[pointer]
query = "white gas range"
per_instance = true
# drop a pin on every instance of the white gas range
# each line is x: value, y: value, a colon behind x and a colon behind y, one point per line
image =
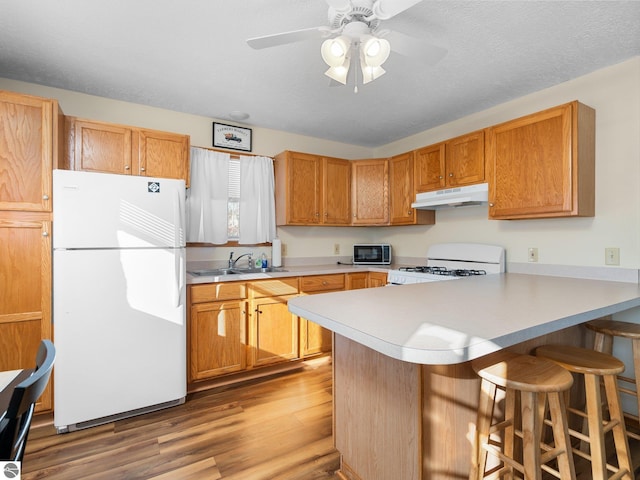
x: 452, y: 261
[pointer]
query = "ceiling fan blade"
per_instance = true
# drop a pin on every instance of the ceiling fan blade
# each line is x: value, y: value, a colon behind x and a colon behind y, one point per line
x: 385, y: 9
x: 340, y: 5
x: 277, y: 39
x: 413, y: 47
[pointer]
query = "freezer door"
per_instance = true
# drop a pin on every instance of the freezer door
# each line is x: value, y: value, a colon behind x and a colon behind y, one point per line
x: 101, y: 210
x: 119, y: 329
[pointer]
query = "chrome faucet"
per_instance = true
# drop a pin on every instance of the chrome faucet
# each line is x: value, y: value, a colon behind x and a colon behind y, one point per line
x: 232, y: 262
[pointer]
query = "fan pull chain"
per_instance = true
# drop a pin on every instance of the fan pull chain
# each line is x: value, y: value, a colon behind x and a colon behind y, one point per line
x: 355, y: 87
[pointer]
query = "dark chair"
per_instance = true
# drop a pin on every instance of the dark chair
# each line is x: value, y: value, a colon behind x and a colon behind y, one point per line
x: 14, y: 427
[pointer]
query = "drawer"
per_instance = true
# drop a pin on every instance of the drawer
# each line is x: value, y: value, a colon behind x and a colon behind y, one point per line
x: 319, y: 283
x: 274, y: 288
x: 213, y: 292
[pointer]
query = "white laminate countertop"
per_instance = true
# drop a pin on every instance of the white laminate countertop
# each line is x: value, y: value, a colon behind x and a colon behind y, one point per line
x: 455, y: 321
x: 288, y: 271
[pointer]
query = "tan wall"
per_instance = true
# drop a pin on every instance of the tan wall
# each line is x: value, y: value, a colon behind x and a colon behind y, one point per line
x: 614, y: 92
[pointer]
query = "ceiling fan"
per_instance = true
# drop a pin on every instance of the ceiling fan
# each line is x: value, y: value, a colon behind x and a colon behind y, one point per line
x: 354, y: 33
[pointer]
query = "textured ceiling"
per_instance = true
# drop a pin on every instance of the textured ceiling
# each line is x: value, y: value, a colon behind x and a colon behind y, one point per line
x: 191, y: 56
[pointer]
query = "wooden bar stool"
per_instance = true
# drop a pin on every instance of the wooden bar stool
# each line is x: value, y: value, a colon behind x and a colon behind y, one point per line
x: 596, y: 366
x: 606, y: 330
x: 536, y: 380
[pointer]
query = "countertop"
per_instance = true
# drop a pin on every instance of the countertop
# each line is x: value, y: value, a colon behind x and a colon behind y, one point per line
x: 293, y: 271
x: 455, y: 321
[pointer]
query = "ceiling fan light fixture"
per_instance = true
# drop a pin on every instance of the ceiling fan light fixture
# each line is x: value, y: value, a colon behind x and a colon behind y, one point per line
x: 334, y: 50
x: 370, y: 73
x: 375, y: 51
x: 339, y: 73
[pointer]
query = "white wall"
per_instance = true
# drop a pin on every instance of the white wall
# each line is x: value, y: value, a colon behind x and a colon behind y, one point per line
x: 613, y: 92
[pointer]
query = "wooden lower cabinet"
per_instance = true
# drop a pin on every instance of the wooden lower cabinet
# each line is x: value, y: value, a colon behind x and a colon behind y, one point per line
x: 377, y: 279
x: 25, y: 309
x: 218, y: 339
x: 273, y: 330
x: 355, y: 281
x: 315, y: 339
x: 217, y: 330
x: 236, y: 327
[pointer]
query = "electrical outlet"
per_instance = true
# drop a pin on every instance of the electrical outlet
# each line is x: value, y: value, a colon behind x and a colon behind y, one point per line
x: 612, y: 256
x: 336, y: 249
x: 283, y: 249
x: 533, y: 254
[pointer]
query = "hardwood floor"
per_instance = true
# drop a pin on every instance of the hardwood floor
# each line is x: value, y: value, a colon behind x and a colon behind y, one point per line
x: 279, y: 428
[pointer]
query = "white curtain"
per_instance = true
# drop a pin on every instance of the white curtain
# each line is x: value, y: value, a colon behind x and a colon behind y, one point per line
x: 207, y: 200
x: 257, y: 200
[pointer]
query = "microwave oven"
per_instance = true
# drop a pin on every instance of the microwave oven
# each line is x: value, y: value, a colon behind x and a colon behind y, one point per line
x: 372, y: 254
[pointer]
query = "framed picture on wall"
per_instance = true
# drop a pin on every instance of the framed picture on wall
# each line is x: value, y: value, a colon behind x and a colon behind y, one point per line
x: 229, y: 136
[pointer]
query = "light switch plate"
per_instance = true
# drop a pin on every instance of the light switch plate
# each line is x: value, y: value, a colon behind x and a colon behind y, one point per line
x: 612, y: 256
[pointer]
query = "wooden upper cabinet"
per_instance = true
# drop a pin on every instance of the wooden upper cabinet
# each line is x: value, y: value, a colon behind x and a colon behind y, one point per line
x: 29, y: 133
x: 110, y: 148
x: 454, y: 163
x: 370, y: 192
x: 162, y: 154
x: 401, y: 174
x: 429, y: 168
x: 464, y: 162
x: 98, y: 147
x: 312, y: 190
x: 336, y: 191
x: 298, y: 188
x: 543, y: 165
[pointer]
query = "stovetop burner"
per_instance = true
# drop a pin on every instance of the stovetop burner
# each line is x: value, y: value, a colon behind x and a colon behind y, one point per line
x: 458, y: 272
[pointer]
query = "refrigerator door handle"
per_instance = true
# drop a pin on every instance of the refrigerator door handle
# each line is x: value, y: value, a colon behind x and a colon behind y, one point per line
x: 179, y: 219
x: 179, y: 278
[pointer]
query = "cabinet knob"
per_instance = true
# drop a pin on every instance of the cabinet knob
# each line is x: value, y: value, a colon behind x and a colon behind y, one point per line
x: 324, y: 282
x: 258, y: 310
x: 45, y: 197
x: 409, y: 212
x: 491, y: 204
x: 440, y: 177
x: 45, y: 234
x: 142, y: 169
x: 126, y: 167
x: 451, y: 174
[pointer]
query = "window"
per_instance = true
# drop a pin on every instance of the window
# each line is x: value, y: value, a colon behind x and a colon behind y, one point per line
x: 233, y: 205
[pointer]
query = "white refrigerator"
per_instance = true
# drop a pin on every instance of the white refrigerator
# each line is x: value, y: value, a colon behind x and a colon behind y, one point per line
x: 118, y: 296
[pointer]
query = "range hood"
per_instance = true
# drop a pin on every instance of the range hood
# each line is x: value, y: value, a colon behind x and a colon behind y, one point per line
x: 453, y: 197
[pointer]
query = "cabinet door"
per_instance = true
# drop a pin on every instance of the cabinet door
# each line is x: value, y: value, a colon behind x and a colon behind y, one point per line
x: 356, y: 281
x: 304, y: 184
x: 218, y: 339
x: 402, y: 194
x: 274, y: 331
x: 465, y: 160
x: 429, y: 168
x: 401, y: 168
x: 162, y: 154
x: 25, y: 309
x: 542, y: 165
x: 28, y: 128
x: 336, y: 191
x: 99, y: 147
x: 370, y: 192
x: 377, y: 279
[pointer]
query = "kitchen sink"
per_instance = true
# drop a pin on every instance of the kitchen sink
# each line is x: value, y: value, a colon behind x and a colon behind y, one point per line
x: 259, y: 270
x: 216, y: 272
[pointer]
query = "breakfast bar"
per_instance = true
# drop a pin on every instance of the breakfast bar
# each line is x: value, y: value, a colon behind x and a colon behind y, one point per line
x: 405, y: 396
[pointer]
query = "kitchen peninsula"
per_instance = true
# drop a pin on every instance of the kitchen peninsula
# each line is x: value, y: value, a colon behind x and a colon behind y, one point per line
x: 405, y: 395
